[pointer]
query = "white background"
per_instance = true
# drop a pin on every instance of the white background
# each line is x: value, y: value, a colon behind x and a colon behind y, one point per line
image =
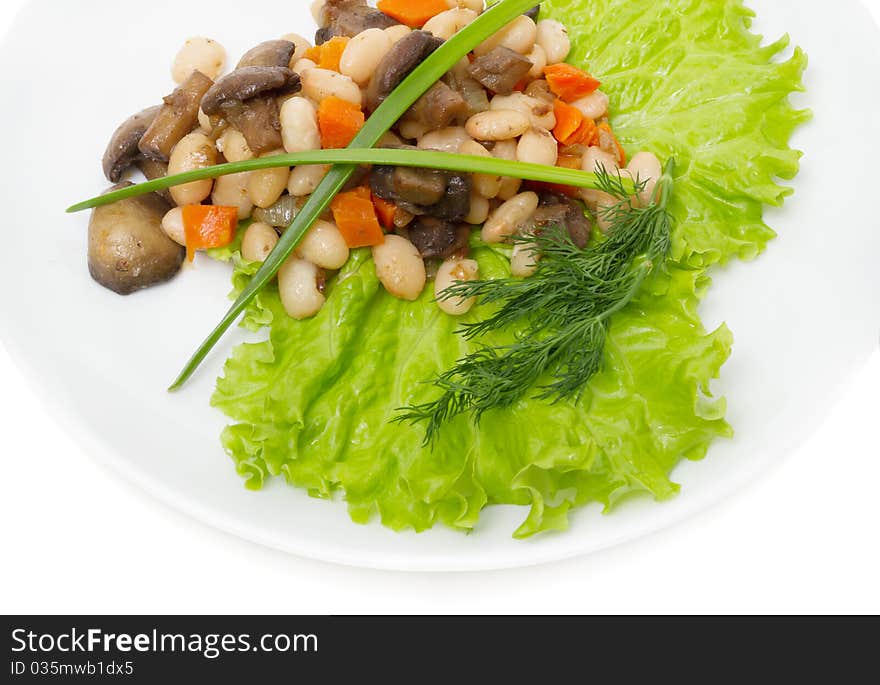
x: 78, y: 539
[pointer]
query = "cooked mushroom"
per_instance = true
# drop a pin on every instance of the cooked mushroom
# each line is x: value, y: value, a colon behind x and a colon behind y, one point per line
x: 534, y: 12
x: 441, y: 194
x: 435, y: 238
x: 248, y: 83
x: 128, y: 250
x: 461, y: 81
x: 349, y: 18
x: 247, y: 99
x: 177, y: 117
x: 500, y: 70
x: 405, y: 56
x: 152, y: 170
x: 272, y: 53
x: 122, y: 151
x: 440, y: 107
x: 559, y: 210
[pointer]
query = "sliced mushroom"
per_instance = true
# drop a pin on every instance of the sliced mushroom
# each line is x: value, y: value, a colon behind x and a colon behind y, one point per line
x: 461, y: 81
x: 436, y: 238
x: 441, y: 194
x: 128, y: 250
x: 122, y: 151
x: 246, y: 98
x: 440, y: 107
x: 405, y: 56
x: 559, y: 210
x: 349, y: 18
x: 152, y: 170
x: 533, y: 13
x: 272, y: 53
x: 177, y: 117
x: 248, y: 83
x: 500, y: 70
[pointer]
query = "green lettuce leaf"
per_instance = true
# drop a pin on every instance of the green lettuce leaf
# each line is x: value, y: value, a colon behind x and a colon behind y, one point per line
x: 314, y: 402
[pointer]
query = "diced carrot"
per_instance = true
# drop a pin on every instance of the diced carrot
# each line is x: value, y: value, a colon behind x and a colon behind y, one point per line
x: 586, y: 134
x: 569, y: 83
x: 331, y: 53
x: 385, y: 210
x: 339, y: 122
x: 313, y: 54
x: 568, y: 121
x: 609, y: 143
x: 413, y: 13
x: 207, y: 226
x: 355, y: 216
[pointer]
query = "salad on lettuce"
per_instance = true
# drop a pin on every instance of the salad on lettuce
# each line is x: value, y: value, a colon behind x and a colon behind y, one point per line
x: 476, y: 239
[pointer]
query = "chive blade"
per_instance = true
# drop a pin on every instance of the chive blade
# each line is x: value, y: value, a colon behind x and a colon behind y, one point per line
x: 398, y: 102
x: 389, y: 157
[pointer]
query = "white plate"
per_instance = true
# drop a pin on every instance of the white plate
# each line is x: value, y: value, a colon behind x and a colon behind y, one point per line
x: 805, y: 316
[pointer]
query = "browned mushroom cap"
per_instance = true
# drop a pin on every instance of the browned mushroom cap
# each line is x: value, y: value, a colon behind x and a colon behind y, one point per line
x: 441, y: 194
x: 349, y: 18
x: 122, y: 151
x: 177, y: 117
x: 440, y: 107
x: 128, y: 250
x: 500, y: 70
x: 405, y: 56
x: 272, y: 53
x: 435, y: 238
x: 248, y: 83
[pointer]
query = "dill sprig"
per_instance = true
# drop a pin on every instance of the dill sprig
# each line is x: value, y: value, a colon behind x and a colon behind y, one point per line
x: 559, y: 317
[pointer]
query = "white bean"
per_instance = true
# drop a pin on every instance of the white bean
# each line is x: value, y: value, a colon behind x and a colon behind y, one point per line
x: 317, y: 9
x: 538, y: 58
x: 400, y: 267
x: 524, y: 260
x: 265, y: 186
x: 448, y: 139
x: 302, y: 44
x: 363, y: 54
x: 595, y: 158
x: 451, y: 272
x: 199, y: 54
x: 476, y: 5
x: 397, y: 33
x: 303, y: 65
x: 645, y: 167
x: 479, y: 210
x: 299, y: 125
x: 448, y: 23
x: 500, y: 124
x: 195, y: 151
x: 412, y: 129
x: 505, y: 220
x: 205, y: 122
x: 318, y: 84
x: 506, y: 149
x: 298, y: 288
x: 234, y: 146
x: 594, y: 106
x: 324, y: 246
x: 540, y: 112
x: 538, y: 146
x: 258, y: 241
x: 553, y: 37
x: 233, y: 191
x: 519, y: 35
x: 305, y: 179
x: 485, y: 184
x: 603, y: 203
x: 172, y: 224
